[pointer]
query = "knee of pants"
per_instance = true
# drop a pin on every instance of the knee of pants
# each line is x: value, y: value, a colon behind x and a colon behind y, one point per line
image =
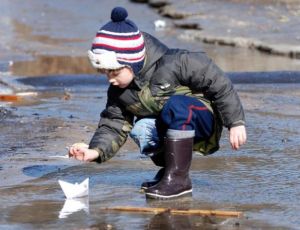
x: 188, y: 113
x: 141, y: 128
x: 144, y: 132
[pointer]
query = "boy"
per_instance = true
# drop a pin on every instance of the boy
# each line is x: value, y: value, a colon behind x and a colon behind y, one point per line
x: 180, y: 100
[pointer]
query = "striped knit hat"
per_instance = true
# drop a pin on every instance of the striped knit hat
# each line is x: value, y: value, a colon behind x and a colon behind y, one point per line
x: 118, y: 43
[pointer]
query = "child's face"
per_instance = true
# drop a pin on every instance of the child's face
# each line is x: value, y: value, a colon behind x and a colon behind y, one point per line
x: 120, y: 77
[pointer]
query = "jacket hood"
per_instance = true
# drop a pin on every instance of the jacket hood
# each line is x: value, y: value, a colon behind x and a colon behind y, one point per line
x: 154, y: 51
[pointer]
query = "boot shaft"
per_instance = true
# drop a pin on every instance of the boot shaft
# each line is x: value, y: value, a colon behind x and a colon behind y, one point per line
x: 178, y: 154
x: 176, y: 181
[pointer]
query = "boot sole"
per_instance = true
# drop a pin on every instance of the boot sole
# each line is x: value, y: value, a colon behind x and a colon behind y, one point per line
x: 157, y: 196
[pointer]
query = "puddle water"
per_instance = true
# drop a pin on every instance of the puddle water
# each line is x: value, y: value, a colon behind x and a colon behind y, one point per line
x: 255, y: 180
x: 261, y: 179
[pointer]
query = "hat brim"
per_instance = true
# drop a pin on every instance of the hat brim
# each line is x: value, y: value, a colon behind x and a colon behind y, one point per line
x: 104, y: 60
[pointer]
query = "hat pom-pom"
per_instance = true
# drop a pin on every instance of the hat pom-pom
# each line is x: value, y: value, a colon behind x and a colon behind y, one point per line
x: 118, y: 14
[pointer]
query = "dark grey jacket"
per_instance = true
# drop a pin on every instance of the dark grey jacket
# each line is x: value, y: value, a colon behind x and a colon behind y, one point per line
x: 166, y: 72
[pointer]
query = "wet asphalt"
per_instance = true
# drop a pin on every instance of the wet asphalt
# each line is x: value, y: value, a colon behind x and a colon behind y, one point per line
x: 261, y: 179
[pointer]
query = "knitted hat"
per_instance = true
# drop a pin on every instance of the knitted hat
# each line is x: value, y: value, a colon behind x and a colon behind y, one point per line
x: 118, y: 43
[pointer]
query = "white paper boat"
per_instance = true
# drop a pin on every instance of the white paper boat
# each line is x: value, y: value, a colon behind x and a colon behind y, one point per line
x: 75, y: 190
x: 74, y: 205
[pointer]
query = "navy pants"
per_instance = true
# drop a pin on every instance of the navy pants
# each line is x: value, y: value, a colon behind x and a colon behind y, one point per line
x: 188, y: 113
x: 180, y: 113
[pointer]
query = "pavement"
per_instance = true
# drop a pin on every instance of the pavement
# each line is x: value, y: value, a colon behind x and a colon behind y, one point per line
x: 268, y: 26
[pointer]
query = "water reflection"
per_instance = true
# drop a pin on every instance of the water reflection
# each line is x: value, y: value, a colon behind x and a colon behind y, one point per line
x: 52, y: 65
x: 41, y: 170
x: 74, y: 205
x: 167, y: 221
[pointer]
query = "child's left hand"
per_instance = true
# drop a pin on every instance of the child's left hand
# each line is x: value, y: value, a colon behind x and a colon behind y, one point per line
x: 237, y: 136
x: 81, y: 151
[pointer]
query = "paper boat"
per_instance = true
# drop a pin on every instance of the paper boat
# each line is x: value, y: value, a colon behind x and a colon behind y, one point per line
x: 74, y: 205
x: 75, y: 190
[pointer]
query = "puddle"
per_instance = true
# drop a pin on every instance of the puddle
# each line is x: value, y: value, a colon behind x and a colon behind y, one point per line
x: 254, y: 180
x: 52, y: 65
x: 260, y: 180
x: 40, y: 170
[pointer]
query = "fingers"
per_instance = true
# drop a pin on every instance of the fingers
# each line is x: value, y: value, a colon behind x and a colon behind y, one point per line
x: 243, y: 138
x: 77, y: 153
x: 237, y: 137
x: 80, y: 144
x: 81, y: 151
x: 234, y: 142
x: 237, y: 141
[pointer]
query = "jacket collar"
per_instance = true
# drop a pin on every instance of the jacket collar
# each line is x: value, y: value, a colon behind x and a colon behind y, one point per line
x: 154, y: 51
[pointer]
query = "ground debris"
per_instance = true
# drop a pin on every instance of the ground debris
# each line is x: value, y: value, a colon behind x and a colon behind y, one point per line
x: 4, y: 113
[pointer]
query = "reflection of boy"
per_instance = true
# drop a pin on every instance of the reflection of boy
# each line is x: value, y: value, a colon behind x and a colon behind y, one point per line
x: 178, y: 97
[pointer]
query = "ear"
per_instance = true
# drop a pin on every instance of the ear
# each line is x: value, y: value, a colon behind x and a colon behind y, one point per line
x: 130, y: 70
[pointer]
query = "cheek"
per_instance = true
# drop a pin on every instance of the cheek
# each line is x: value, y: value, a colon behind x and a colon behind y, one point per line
x: 126, y: 79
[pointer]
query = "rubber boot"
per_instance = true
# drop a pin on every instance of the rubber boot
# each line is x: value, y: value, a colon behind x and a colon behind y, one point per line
x: 156, y: 179
x: 178, y: 156
x: 158, y: 160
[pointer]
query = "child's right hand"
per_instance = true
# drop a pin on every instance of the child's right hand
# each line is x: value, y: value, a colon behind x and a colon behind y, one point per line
x: 81, y: 151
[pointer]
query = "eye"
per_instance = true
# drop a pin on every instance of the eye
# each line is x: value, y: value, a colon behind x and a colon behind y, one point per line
x: 116, y: 72
x: 102, y: 71
x: 113, y: 73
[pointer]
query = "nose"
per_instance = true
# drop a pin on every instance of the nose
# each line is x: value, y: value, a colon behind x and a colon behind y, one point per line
x: 112, y: 80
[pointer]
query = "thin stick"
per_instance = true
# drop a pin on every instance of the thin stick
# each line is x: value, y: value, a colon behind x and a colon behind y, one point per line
x: 199, y: 212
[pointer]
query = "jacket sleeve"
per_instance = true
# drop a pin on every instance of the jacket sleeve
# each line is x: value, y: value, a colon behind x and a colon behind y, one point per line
x: 202, y: 75
x: 113, y: 128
